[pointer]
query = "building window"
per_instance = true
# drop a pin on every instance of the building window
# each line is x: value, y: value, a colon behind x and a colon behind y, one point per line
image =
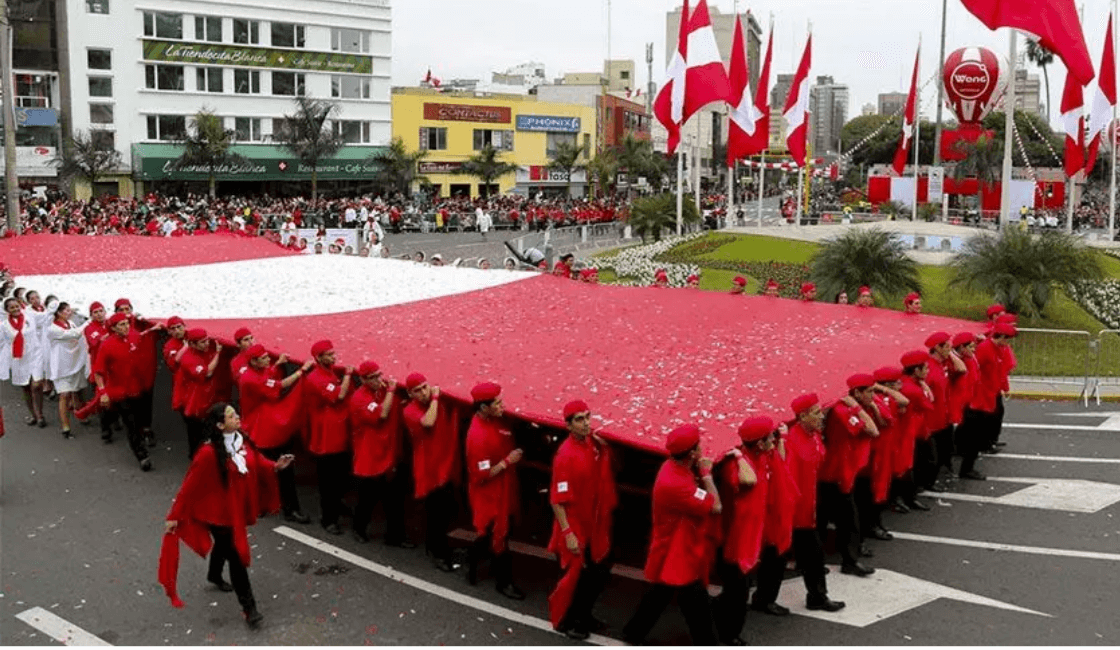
x: 279, y: 129
x: 349, y: 87
x: 247, y: 129
x: 287, y: 83
x: 246, y: 82
x: 433, y: 138
x: 97, y: 6
x: 246, y: 32
x: 100, y: 86
x: 166, y: 127
x: 163, y: 77
x: 352, y: 132
x: 102, y: 139
x: 33, y: 90
x: 36, y: 136
x: 163, y: 25
x: 101, y: 113
x: 287, y: 35
x: 99, y: 59
x: 553, y: 140
x: 624, y: 75
x: 350, y: 40
x: 209, y: 80
x: 208, y: 28
x: 500, y: 140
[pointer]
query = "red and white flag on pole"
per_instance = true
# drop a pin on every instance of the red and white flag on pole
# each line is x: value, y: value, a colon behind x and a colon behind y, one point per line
x: 1073, y: 120
x: 909, y: 119
x: 796, y: 110
x: 749, y: 129
x: 696, y: 76
x: 1103, y: 100
x: 1054, y: 22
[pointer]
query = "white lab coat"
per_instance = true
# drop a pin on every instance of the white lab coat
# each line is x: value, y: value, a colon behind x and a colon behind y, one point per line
x: 485, y: 222
x: 27, y: 368
x: 68, y: 352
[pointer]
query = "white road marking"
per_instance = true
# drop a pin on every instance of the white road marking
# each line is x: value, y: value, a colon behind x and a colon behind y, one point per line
x: 1014, y: 548
x: 1111, y: 418
x: 431, y: 588
x: 522, y: 548
x: 880, y: 596
x: 1051, y: 427
x: 1066, y: 495
x: 1060, y: 459
x: 58, y: 628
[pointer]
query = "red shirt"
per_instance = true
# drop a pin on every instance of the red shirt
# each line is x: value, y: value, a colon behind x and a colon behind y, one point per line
x: 199, y: 391
x: 269, y: 416
x: 116, y: 363
x: 147, y: 358
x: 804, y: 454
x: 435, y: 449
x: 583, y: 482
x: 937, y: 418
x: 744, y: 510
x: 327, y: 412
x: 376, y: 442
x: 493, y: 499
x: 962, y: 385
x: 847, y: 450
x: 239, y: 363
x: 881, y: 468
x: 989, y: 381
x: 170, y: 352
x: 679, y: 548
x: 95, y: 333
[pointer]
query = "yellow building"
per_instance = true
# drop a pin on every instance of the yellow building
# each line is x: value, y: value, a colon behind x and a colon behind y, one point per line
x: 453, y: 127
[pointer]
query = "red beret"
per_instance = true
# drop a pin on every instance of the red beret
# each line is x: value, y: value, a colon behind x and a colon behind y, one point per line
x: 1007, y: 318
x: 964, y: 338
x: 116, y: 318
x: 173, y: 321
x: 95, y: 306
x: 807, y: 287
x: 936, y: 339
x: 861, y: 380
x: 804, y: 403
x: 995, y: 309
x: 256, y: 350
x: 693, y: 278
x: 1006, y: 329
x: 865, y: 291
x: 414, y: 380
x: 241, y: 333
x: 756, y: 428
x: 368, y: 368
x: 911, y: 297
x: 121, y: 302
x: 740, y: 280
x: 485, y: 391
x: 321, y: 347
x: 196, y: 334
x: 682, y: 439
x: 888, y: 373
x: 771, y: 283
x: 914, y: 358
x: 574, y: 407
x: 661, y: 273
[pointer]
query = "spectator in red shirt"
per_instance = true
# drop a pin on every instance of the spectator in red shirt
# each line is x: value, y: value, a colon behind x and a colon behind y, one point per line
x: 324, y: 397
x: 118, y: 383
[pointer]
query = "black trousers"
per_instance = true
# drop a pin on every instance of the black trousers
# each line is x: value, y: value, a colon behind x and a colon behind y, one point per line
x: 925, y: 463
x: 839, y: 508
x: 975, y: 435
x: 222, y: 553
x: 592, y: 580
x: 196, y: 434
x: 694, y: 602
x: 391, y: 489
x: 501, y: 564
x: 809, y: 553
x: 126, y: 410
x: 870, y: 513
x: 943, y: 443
x: 144, y: 411
x: 997, y: 424
x: 439, y: 509
x: 333, y: 471
x: 289, y: 496
x: 730, y: 607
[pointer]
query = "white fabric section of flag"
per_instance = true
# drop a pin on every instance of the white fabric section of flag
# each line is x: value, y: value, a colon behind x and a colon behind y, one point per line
x: 746, y: 114
x: 1071, y: 122
x: 1100, y: 114
x: 676, y: 76
x: 702, y: 48
x: 798, y: 114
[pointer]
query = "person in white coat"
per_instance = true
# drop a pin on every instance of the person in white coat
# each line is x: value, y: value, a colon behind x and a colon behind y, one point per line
x: 484, y: 220
x: 67, y: 362
x: 21, y: 356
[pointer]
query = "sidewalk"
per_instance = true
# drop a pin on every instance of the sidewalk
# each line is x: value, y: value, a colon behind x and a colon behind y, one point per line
x: 1061, y: 387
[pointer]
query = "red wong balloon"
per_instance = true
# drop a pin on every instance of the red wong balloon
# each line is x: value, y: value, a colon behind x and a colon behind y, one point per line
x: 975, y: 79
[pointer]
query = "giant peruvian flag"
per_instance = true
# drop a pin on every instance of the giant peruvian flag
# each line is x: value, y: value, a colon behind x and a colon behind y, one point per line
x: 695, y: 77
x: 1073, y: 120
x: 902, y: 154
x: 1104, y: 99
x: 749, y: 129
x: 1054, y: 22
x: 797, y: 108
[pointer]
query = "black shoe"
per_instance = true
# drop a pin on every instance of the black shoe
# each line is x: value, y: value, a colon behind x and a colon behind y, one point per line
x: 222, y: 585
x: 446, y: 566
x: 918, y: 505
x: 66, y: 434
x: 864, y: 551
x: 333, y: 529
x: 937, y: 487
x: 857, y: 569
x: 107, y: 437
x: 992, y: 451
x: 253, y: 619
x: 881, y: 534
x: 973, y: 475
x: 360, y: 537
x: 297, y: 517
x: 898, y: 506
x: 825, y: 605
x: 999, y: 444
x: 42, y: 423
x: 593, y: 624
x: 512, y: 592
x: 736, y: 641
x: 150, y: 438
x: 146, y: 465
x: 472, y: 573
x: 774, y: 609
x: 573, y: 633
x: 401, y: 543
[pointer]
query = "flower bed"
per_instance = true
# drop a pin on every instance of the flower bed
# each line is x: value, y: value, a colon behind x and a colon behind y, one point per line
x: 638, y: 264
x: 1101, y: 299
x: 788, y: 275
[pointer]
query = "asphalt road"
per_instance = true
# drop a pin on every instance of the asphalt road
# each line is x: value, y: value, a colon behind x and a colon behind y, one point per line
x: 80, y: 528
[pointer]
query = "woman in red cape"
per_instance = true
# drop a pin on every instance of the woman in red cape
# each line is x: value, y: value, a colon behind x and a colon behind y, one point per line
x: 228, y: 485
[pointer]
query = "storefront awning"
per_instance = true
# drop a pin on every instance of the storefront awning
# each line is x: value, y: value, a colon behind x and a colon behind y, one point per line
x: 156, y: 162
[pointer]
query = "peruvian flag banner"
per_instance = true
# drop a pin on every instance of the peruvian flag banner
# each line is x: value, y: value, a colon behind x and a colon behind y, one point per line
x: 668, y: 107
x: 796, y: 110
x: 1104, y: 99
x: 1054, y: 22
x: 1073, y: 119
x: 744, y: 114
x: 902, y: 154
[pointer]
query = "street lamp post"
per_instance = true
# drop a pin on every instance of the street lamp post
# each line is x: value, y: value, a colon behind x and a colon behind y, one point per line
x: 11, y: 182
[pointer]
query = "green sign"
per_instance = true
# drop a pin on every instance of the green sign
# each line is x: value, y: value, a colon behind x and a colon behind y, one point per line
x: 256, y: 57
x: 153, y: 162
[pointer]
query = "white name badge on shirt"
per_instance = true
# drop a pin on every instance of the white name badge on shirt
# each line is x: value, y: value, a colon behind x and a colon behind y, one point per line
x: 198, y: 369
x: 853, y: 421
x: 700, y: 494
x: 562, y: 487
x: 372, y: 407
x: 270, y: 383
x: 330, y: 388
x: 484, y: 465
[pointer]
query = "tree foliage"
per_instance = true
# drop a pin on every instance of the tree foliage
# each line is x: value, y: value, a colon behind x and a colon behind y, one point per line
x: 1021, y: 271
x: 1042, y: 151
x: 603, y: 170
x: 859, y: 257
x: 638, y: 158
x: 983, y: 161
x: 87, y: 158
x: 879, y: 150
x: 486, y: 166
x: 566, y: 158
x: 207, y: 145
x: 651, y: 215
x: 397, y: 167
x: 1042, y: 57
x: 308, y: 135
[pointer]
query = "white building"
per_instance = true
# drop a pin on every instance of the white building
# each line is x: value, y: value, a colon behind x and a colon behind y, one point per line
x: 139, y: 69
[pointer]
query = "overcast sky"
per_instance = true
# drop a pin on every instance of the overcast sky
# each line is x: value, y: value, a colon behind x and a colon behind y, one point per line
x: 867, y: 44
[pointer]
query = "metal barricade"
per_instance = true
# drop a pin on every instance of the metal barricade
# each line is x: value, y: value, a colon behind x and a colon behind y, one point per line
x: 1107, y: 373
x: 1053, y: 359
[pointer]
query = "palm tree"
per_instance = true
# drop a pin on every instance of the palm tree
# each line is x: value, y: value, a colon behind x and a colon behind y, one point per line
x: 1042, y: 57
x: 650, y: 215
x: 603, y: 168
x: 638, y: 158
x: 486, y: 167
x: 397, y: 168
x: 87, y: 158
x: 859, y: 257
x: 983, y: 161
x: 1020, y: 270
x: 206, y: 147
x: 308, y: 136
x: 565, y: 158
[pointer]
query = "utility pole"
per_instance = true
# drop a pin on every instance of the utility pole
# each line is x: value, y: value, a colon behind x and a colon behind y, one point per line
x: 649, y: 86
x: 940, y: 85
x: 8, y: 98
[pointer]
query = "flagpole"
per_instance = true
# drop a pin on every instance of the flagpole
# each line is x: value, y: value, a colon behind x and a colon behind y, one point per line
x: 680, y: 189
x: 1112, y: 167
x: 917, y: 133
x: 696, y: 162
x: 1008, y: 135
x: 761, y: 183
x: 730, y: 191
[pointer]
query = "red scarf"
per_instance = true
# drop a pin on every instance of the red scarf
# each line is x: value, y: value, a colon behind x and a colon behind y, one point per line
x: 62, y: 323
x: 17, y: 342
